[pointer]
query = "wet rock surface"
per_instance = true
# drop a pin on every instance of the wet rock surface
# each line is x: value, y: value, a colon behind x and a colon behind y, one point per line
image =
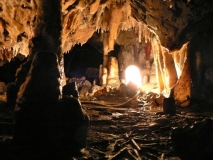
x: 127, y: 132
x: 137, y: 134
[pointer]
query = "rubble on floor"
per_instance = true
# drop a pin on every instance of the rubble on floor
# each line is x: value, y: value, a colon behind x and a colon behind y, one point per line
x: 134, y: 131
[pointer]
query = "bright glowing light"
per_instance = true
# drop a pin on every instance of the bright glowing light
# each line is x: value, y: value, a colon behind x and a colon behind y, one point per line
x: 132, y: 74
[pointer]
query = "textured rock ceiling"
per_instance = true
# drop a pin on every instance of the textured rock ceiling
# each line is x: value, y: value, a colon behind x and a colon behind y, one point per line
x: 174, y: 22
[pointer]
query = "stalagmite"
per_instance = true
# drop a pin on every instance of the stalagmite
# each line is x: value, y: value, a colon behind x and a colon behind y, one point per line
x: 100, y: 71
x: 104, y: 75
x: 113, y: 74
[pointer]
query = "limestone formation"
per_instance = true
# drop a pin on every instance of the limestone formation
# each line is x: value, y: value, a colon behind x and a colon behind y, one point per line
x: 113, y: 76
x: 165, y: 24
x: 37, y: 113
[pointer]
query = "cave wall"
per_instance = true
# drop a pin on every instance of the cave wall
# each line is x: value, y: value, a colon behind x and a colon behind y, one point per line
x: 175, y: 22
x: 201, y: 57
x: 172, y: 23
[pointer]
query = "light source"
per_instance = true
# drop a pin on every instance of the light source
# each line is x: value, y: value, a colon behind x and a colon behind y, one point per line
x: 132, y: 74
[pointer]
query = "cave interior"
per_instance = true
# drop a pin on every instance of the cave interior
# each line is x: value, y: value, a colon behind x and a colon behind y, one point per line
x: 169, y: 116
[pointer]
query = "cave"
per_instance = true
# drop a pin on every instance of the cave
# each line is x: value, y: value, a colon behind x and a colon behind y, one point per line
x: 64, y: 89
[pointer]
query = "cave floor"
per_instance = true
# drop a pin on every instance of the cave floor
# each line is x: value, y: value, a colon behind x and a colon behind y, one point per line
x: 124, y: 132
x: 135, y: 133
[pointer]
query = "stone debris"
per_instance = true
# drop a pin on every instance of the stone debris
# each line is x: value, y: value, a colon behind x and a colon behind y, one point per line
x: 127, y: 132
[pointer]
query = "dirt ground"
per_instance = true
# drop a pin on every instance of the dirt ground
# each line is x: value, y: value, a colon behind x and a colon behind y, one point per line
x: 129, y: 132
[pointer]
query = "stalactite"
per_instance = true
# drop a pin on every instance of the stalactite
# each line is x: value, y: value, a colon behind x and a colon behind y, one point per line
x: 62, y: 79
x: 126, y: 22
x: 10, y: 17
x: 115, y: 18
x: 2, y: 54
x: 81, y: 4
x: 169, y: 66
x: 126, y: 12
x: 66, y: 4
x: 105, y: 37
x: 17, y: 18
x: 67, y: 22
x: 8, y: 54
x: 99, y: 18
x: 105, y: 20
x: 132, y: 22
x: 150, y: 34
x: 142, y: 31
x: 94, y: 6
x: 161, y: 66
x: 20, y: 47
x: 180, y: 58
x: 139, y: 31
x: 1, y: 27
x: 75, y: 21
x: 182, y: 90
x: 165, y: 68
x: 176, y: 58
x: 159, y: 77
x: 145, y: 33
x: 123, y: 26
x: 67, y: 45
x: 83, y: 35
x: 172, y: 72
x: 169, y: 70
x: 171, y: 3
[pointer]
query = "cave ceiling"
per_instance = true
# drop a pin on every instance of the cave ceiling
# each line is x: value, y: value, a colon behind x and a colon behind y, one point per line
x: 105, y: 21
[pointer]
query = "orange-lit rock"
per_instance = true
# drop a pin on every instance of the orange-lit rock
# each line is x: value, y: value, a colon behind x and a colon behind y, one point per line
x: 113, y: 76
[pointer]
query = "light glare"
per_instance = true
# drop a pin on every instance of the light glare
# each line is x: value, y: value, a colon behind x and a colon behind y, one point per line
x: 132, y: 73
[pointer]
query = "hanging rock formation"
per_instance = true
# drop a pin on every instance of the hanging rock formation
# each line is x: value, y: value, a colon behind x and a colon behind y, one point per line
x: 169, y: 24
